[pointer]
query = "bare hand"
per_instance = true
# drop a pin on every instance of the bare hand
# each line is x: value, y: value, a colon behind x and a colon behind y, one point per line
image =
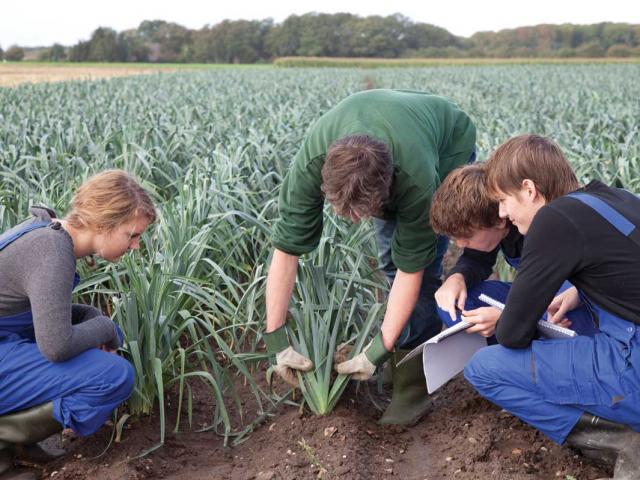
x: 561, y: 304
x: 484, y: 320
x: 452, y: 294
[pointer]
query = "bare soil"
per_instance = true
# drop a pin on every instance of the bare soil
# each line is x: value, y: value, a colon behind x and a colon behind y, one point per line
x: 462, y: 437
x: 12, y: 74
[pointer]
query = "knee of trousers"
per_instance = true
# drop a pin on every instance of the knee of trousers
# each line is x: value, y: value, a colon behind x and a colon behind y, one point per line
x: 119, y: 374
x: 481, y: 370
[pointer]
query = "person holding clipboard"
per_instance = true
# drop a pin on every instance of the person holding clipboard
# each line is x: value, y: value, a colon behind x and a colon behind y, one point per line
x: 582, y: 391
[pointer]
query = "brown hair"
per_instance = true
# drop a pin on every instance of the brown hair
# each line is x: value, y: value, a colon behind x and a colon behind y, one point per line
x: 109, y: 199
x: 462, y: 203
x: 532, y: 157
x: 357, y: 175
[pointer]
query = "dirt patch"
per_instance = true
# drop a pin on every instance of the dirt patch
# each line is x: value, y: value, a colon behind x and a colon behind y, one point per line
x: 15, y: 74
x: 463, y: 437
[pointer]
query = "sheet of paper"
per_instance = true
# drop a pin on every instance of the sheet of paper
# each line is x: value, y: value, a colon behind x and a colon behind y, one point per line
x: 442, y: 335
x: 444, y: 360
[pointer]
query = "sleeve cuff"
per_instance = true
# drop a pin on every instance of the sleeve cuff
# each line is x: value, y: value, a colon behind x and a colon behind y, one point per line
x: 277, y: 340
x: 375, y: 351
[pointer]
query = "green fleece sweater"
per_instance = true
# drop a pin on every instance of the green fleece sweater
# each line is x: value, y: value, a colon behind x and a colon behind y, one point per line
x: 427, y: 135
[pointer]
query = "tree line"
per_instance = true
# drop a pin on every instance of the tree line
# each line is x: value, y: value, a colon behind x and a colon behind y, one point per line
x: 336, y: 35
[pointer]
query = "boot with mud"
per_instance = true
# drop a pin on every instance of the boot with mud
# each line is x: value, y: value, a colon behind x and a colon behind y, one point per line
x: 409, y: 400
x: 608, y: 443
x: 20, y: 432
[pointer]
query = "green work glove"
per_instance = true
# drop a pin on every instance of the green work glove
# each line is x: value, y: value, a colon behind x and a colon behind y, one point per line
x: 287, y: 360
x: 363, y: 365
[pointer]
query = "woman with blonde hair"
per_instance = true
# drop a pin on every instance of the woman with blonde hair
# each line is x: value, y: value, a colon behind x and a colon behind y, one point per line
x: 57, y: 364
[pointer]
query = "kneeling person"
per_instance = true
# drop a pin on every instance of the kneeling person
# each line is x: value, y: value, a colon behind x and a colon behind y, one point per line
x: 463, y: 210
x: 58, y: 366
x: 573, y: 389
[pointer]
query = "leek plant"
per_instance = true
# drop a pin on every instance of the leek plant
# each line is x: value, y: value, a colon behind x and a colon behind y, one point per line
x: 336, y: 301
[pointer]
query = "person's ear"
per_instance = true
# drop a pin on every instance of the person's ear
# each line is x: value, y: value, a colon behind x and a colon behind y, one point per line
x: 502, y: 223
x: 529, y: 189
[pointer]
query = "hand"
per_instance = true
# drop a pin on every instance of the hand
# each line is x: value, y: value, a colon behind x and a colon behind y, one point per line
x: 484, y: 320
x: 363, y: 365
x: 288, y: 363
x: 287, y: 360
x: 359, y: 367
x: 561, y: 304
x: 343, y: 352
x: 452, y: 294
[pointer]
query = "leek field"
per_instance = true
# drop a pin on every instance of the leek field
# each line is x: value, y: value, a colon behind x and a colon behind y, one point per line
x: 213, y: 146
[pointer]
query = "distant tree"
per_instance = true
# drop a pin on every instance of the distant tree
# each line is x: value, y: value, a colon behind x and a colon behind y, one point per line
x: 168, y: 42
x: 134, y: 47
x: 232, y: 41
x: 619, y: 51
x: 590, y: 50
x: 55, y: 53
x: 566, y: 52
x: 79, y: 52
x: 14, y: 54
x: 343, y: 35
x: 376, y: 36
x: 328, y: 35
x: 423, y: 35
x: 1, y: 53
x: 283, y: 40
x: 58, y: 53
x: 618, y: 34
x: 104, y: 46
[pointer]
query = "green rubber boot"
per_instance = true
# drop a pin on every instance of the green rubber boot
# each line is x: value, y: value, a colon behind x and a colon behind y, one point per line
x: 409, y: 400
x: 20, y: 429
x: 607, y: 442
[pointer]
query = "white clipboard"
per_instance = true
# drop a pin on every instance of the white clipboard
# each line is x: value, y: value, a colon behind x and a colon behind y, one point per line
x: 446, y: 354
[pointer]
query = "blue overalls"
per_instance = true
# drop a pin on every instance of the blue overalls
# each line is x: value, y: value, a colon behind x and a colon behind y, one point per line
x: 550, y: 384
x: 84, y: 390
x: 581, y: 319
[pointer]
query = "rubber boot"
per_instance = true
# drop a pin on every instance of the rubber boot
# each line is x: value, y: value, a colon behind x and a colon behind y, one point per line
x: 8, y: 469
x: 36, y: 454
x: 27, y: 427
x: 386, y: 376
x: 605, y: 441
x: 409, y: 399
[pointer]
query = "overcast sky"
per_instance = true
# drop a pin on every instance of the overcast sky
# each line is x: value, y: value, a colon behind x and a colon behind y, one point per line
x: 43, y: 22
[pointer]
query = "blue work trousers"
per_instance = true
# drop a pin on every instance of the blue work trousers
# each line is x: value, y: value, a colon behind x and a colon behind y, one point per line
x: 550, y: 384
x: 84, y: 389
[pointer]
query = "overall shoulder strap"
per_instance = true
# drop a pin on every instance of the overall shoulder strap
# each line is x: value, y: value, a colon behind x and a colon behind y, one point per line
x: 12, y: 235
x: 610, y: 214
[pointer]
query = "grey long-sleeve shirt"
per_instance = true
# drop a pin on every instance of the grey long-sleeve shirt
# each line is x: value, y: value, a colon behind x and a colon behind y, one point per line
x: 36, y: 274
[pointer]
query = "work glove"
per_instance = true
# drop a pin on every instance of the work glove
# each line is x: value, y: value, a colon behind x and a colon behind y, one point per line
x: 363, y: 365
x: 287, y: 361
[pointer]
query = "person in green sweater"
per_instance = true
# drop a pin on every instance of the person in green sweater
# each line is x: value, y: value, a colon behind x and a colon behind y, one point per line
x: 377, y: 154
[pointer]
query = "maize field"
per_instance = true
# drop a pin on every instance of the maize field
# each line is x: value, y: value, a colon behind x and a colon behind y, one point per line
x: 213, y: 147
